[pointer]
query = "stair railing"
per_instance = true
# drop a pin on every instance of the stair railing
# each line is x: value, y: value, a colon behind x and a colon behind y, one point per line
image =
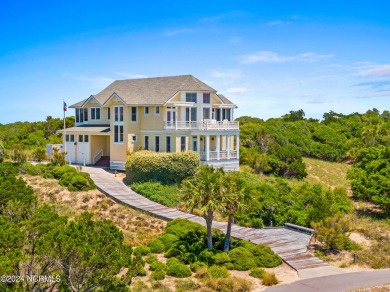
x: 97, y: 156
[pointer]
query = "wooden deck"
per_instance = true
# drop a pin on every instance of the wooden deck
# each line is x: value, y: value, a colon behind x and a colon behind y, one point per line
x: 291, y: 245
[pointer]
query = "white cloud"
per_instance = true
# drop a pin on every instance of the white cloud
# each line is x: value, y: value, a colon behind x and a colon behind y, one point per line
x: 277, y: 23
x: 173, y: 32
x: 227, y: 74
x: 236, y: 90
x: 382, y: 71
x: 131, y: 75
x: 272, y: 57
x: 98, y: 81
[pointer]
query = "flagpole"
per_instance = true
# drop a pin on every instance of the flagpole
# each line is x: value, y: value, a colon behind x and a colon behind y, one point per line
x: 64, y: 136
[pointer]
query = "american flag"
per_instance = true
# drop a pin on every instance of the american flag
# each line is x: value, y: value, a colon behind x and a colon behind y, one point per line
x: 65, y: 107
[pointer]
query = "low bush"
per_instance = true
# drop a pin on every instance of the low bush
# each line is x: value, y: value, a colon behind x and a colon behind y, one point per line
x: 167, y: 168
x: 178, y: 270
x: 81, y: 182
x: 168, y: 239
x: 242, y: 259
x: 156, y: 246
x: 196, y: 266
x: 141, y: 250
x: 269, y: 279
x: 221, y: 258
x: 257, y: 273
x: 157, y: 266
x: 150, y: 258
x: 158, y: 275
x: 230, y: 284
x: 172, y: 261
x: 217, y: 272
x: 265, y: 257
x: 58, y: 171
x: 167, y: 195
x: 180, y: 227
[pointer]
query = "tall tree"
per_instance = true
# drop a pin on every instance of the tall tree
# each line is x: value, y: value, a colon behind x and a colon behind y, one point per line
x: 235, y: 200
x: 204, y: 191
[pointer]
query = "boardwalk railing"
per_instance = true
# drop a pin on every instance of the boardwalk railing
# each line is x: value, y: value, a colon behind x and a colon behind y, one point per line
x: 299, y: 228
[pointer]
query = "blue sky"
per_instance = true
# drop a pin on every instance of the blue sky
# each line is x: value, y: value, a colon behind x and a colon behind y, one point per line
x: 269, y: 57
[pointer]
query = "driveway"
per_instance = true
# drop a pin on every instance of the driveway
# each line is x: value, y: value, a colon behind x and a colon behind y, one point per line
x: 335, y: 283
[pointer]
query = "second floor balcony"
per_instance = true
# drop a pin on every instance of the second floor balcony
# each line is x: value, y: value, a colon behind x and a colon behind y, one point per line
x: 203, y: 125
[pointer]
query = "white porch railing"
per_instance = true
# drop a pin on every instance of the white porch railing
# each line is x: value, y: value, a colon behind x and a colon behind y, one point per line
x: 97, y: 156
x: 203, y: 125
x: 213, y: 155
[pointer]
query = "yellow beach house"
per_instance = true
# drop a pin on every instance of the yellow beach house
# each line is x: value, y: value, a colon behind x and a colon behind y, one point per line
x: 167, y: 114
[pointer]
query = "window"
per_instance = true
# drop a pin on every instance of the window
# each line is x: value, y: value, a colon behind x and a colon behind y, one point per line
x: 206, y: 113
x: 146, y: 110
x: 206, y: 97
x: 226, y: 114
x: 168, y: 143
x: 157, y: 110
x: 81, y: 138
x: 193, y: 114
x: 77, y: 115
x: 95, y: 113
x: 85, y: 115
x: 118, y: 114
x: 67, y: 138
x: 183, y: 143
x: 191, y: 97
x: 134, y: 114
x: 118, y: 134
x: 134, y: 138
x: 108, y: 114
x: 81, y: 115
x: 71, y: 138
x: 157, y: 143
x: 86, y: 138
x: 146, y: 146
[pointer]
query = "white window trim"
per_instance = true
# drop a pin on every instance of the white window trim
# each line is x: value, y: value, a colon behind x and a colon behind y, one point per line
x: 185, y: 143
x: 159, y: 111
x: 159, y: 143
x: 146, y: 113
x: 123, y: 133
x: 90, y: 114
x: 119, y: 122
x: 148, y: 142
x: 136, y: 115
x: 166, y: 144
x: 132, y: 138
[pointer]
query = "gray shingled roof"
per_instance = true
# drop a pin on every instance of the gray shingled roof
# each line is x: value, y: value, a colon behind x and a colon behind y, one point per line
x: 224, y: 99
x: 151, y: 90
x: 88, y: 130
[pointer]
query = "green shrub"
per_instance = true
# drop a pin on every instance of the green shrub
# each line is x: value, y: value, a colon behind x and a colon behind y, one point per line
x: 221, y: 258
x: 265, y: 257
x: 58, y: 171
x: 141, y: 250
x: 217, y: 272
x: 167, y: 195
x: 137, y: 267
x: 168, y: 239
x: 81, y: 182
x: 47, y: 175
x: 157, y: 266
x: 172, y: 261
x: 257, y: 273
x: 197, y: 266
x: 269, y: 279
x: 156, y: 246
x: 150, y: 258
x: 230, y: 284
x: 28, y: 168
x: 207, y: 256
x: 229, y: 266
x: 180, y: 227
x: 166, y: 168
x: 158, y: 275
x: 242, y: 259
x: 178, y: 270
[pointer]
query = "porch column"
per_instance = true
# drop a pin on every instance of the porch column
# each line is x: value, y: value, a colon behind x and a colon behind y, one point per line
x: 207, y: 146
x: 189, y: 120
x: 228, y: 146
x: 191, y: 144
x: 238, y: 146
x: 198, y: 144
x: 218, y: 138
x: 176, y: 116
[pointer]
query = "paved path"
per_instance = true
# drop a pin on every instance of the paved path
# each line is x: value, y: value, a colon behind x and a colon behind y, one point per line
x: 289, y: 244
x: 337, y: 283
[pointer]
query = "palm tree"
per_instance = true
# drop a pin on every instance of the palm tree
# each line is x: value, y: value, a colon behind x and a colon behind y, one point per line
x: 235, y: 199
x: 204, y: 190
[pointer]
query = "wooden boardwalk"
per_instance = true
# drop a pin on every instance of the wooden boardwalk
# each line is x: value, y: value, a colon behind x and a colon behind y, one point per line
x: 291, y: 245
